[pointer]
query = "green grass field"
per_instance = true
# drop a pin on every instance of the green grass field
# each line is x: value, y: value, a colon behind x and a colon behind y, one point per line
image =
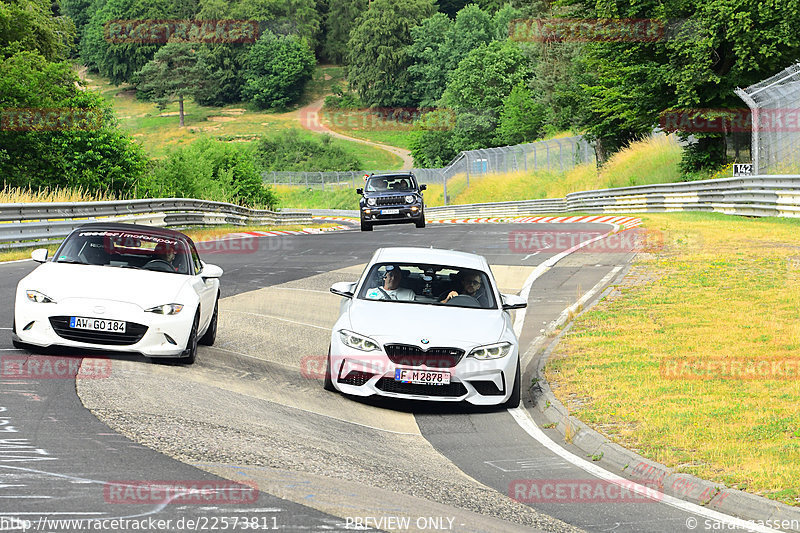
x: 722, y: 289
x: 159, y: 132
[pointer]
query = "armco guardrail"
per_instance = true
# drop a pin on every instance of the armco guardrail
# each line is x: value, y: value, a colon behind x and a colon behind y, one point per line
x: 37, y: 223
x: 750, y: 196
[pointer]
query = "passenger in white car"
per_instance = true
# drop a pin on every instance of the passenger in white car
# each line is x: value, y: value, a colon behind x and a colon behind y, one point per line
x: 391, y: 289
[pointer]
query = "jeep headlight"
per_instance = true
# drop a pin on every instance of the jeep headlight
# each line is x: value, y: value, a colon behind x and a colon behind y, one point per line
x: 371, y: 201
x: 409, y: 199
x: 491, y: 351
x: 359, y: 342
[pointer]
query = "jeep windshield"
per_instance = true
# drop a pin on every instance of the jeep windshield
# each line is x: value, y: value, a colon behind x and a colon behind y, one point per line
x: 391, y: 184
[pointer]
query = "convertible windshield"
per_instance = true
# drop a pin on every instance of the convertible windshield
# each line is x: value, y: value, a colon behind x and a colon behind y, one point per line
x: 391, y: 184
x: 126, y: 249
x: 428, y: 284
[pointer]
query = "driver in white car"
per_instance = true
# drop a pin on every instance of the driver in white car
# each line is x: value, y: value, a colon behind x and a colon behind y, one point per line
x: 471, y: 285
x: 391, y: 289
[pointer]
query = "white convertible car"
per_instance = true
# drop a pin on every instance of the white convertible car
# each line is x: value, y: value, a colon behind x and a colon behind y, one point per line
x: 120, y: 287
x: 425, y: 324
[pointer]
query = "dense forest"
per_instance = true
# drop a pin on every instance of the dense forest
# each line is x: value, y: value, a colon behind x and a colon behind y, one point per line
x: 486, y: 74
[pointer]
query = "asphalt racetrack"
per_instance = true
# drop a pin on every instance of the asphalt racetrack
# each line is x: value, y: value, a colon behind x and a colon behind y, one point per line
x: 252, y: 420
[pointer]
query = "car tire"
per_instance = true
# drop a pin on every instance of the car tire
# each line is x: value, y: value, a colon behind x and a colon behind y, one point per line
x: 328, y: 382
x: 366, y: 226
x: 189, y: 355
x: 210, y: 335
x: 16, y: 343
x: 513, y: 400
x: 421, y: 223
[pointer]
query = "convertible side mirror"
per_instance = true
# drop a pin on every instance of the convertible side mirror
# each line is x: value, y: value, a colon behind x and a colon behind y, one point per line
x: 512, y: 301
x: 211, y: 271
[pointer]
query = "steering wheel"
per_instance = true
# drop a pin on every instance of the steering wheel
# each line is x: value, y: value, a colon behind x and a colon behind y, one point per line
x: 160, y: 265
x: 464, y: 300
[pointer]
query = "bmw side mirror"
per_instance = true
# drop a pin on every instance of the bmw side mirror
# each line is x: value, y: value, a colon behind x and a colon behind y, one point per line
x: 343, y: 288
x: 39, y: 255
x: 512, y: 301
x: 360, y: 191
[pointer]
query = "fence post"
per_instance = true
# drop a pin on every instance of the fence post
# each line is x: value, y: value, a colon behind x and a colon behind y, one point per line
x: 466, y: 157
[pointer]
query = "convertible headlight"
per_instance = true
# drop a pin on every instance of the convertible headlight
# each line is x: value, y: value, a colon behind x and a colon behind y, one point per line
x: 409, y: 199
x: 38, y: 297
x: 166, y: 309
x: 371, y: 201
x: 359, y: 342
x: 491, y: 351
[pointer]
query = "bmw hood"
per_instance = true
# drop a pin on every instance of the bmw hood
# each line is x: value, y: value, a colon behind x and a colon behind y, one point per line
x: 140, y: 287
x: 440, y: 325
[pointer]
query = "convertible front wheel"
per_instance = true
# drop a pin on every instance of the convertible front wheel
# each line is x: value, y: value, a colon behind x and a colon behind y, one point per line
x: 189, y: 355
x: 210, y: 335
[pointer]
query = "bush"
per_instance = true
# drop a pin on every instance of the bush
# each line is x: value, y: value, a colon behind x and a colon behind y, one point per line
x: 211, y: 170
x: 291, y: 151
x: 72, y: 140
x: 341, y: 99
x: 277, y: 70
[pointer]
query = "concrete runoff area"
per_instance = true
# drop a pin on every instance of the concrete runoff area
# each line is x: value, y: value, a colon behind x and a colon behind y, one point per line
x: 250, y: 392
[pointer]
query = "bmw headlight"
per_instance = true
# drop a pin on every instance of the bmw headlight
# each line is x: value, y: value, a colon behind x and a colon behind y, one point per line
x: 166, y: 309
x: 38, y: 297
x: 371, y: 201
x: 491, y: 351
x: 409, y: 199
x: 359, y: 342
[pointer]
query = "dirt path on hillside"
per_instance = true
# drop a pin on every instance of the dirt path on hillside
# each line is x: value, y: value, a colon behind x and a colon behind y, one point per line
x: 309, y: 118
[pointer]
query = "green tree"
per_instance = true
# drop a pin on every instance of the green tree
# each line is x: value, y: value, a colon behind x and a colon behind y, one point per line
x: 485, y: 77
x: 277, y: 70
x: 430, y: 54
x: 502, y: 19
x: 521, y: 119
x: 227, y: 62
x: 719, y: 45
x: 378, y: 60
x: 79, y: 11
x: 431, y: 142
x: 473, y: 27
x: 339, y: 22
x: 70, y: 138
x: 30, y: 25
x: 118, y: 57
x: 177, y: 71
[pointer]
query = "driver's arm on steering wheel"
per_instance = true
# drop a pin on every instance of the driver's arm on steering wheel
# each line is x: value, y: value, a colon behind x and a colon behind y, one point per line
x: 450, y: 295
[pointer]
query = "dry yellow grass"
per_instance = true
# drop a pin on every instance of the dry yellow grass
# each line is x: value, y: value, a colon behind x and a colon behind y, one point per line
x: 653, y: 160
x: 723, y: 288
x: 13, y: 195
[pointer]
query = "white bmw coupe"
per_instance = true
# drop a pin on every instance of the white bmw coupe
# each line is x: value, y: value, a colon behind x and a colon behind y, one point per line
x: 120, y: 287
x: 426, y: 324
